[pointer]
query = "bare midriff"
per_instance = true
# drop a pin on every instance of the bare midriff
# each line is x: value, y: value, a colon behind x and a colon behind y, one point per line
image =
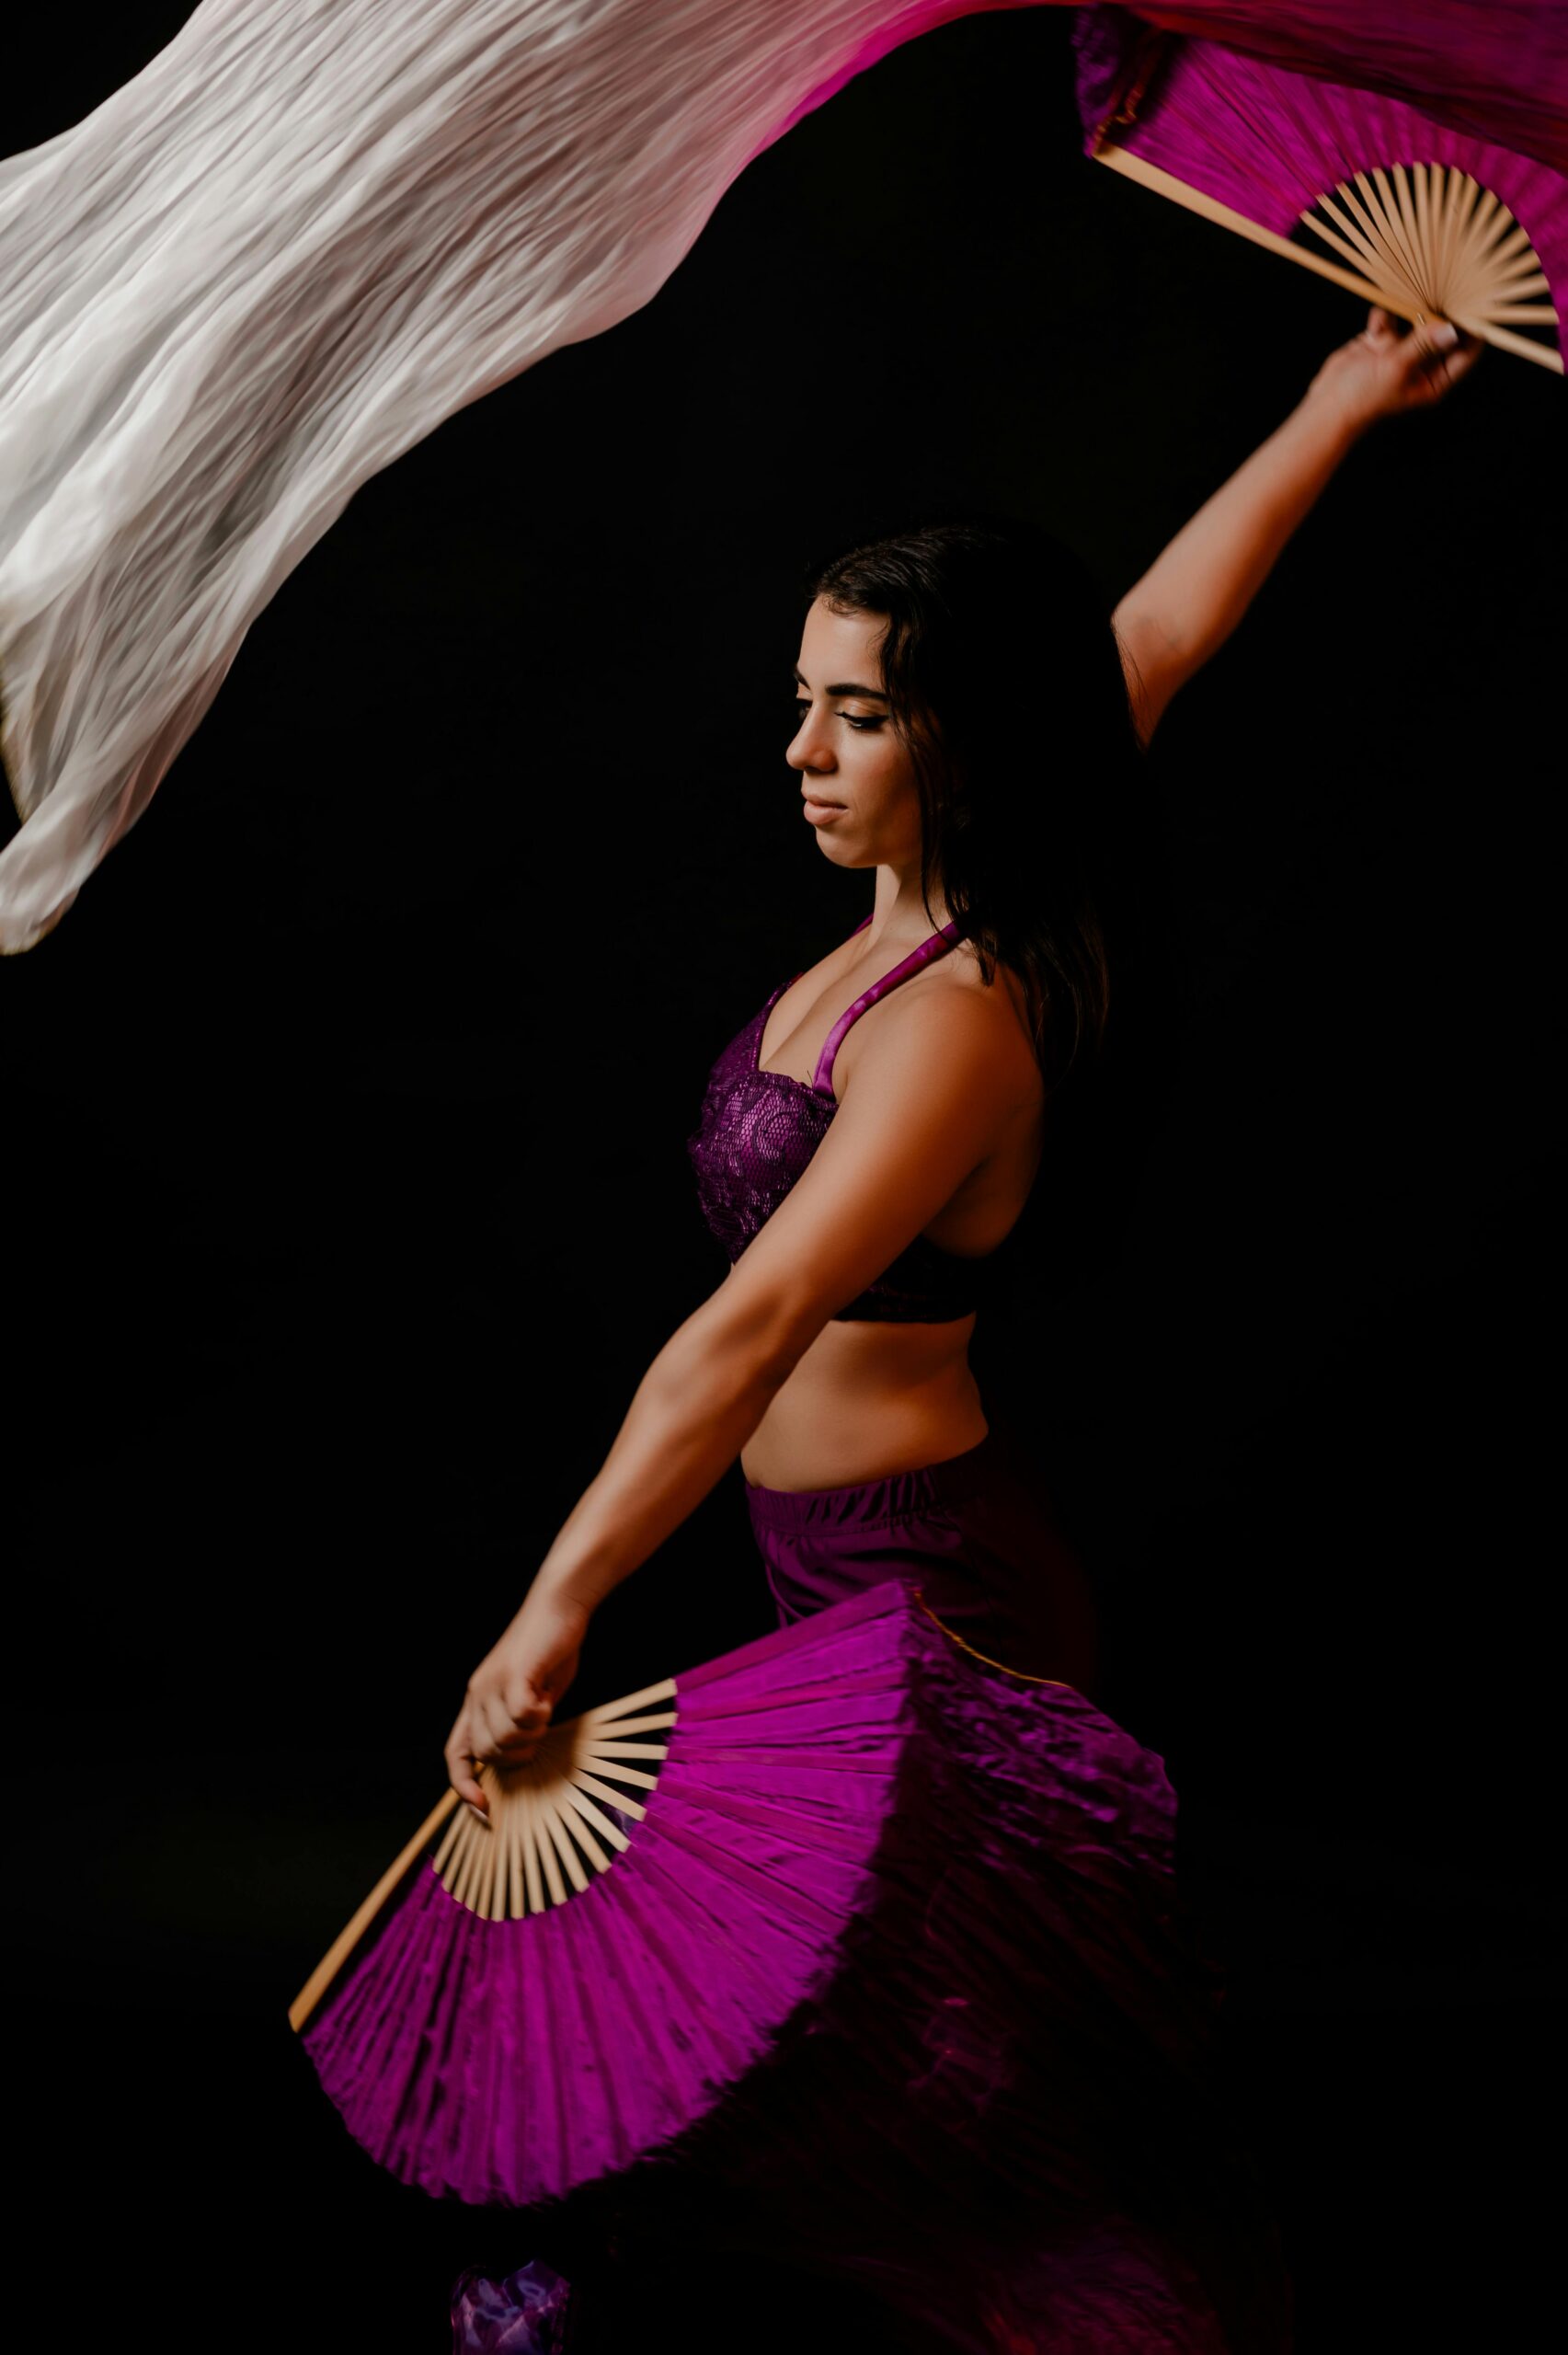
x: 866, y: 1401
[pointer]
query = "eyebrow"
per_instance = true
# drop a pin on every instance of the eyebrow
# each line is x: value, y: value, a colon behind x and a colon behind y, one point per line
x: 845, y: 687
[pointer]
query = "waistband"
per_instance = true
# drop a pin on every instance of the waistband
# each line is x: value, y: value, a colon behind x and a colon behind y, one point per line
x: 901, y: 1496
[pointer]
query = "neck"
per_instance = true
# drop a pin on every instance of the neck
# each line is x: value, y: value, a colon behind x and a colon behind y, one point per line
x: 899, y: 912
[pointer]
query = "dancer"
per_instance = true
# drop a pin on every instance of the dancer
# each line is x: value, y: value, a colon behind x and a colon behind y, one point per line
x: 966, y: 721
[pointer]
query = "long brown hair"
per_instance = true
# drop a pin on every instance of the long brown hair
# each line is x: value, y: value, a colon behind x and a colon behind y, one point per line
x: 1004, y: 679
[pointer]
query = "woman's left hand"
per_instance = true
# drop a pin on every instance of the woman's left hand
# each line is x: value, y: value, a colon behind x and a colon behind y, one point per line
x: 1384, y: 370
x: 512, y: 1693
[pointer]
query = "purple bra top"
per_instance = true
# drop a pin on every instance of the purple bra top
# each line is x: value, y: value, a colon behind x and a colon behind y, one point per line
x: 759, y: 1129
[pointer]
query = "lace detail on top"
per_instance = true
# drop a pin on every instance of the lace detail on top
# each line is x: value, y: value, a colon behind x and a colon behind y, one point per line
x: 756, y: 1132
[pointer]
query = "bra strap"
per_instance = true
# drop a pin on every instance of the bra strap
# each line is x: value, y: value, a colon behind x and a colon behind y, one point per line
x: 937, y: 946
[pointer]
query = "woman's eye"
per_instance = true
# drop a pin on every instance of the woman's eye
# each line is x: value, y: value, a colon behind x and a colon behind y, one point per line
x: 803, y: 705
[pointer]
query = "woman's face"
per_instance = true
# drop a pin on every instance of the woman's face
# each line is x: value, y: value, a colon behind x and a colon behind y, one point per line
x: 857, y: 781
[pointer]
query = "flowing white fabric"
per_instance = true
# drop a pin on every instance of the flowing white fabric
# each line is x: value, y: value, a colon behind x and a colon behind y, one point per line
x: 312, y: 229
x: 306, y: 234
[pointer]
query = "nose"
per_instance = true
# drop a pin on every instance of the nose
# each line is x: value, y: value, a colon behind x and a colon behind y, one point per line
x: 810, y: 749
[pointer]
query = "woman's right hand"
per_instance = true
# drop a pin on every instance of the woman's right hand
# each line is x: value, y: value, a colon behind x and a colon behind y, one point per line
x: 512, y: 1693
x: 1390, y: 368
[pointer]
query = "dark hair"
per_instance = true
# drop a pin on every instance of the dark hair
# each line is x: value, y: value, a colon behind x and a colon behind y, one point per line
x: 1004, y: 679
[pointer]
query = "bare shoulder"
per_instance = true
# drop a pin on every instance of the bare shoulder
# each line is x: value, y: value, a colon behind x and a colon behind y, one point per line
x: 1002, y: 999
x: 952, y: 1013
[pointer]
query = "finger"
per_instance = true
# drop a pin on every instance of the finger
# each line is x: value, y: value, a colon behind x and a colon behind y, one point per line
x: 486, y: 1720
x: 1419, y: 354
x: 532, y: 1709
x: 497, y: 1725
x: 529, y: 1705
x: 460, y: 1775
x: 511, y: 1760
x: 460, y: 1766
x: 519, y: 1747
x: 1453, y: 355
x: 1433, y: 339
x: 1464, y: 357
x: 521, y: 1710
x: 510, y: 1747
x: 507, y: 1748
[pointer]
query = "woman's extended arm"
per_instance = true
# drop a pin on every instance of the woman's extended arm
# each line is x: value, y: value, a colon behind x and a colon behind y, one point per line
x: 1196, y: 591
x: 927, y: 1101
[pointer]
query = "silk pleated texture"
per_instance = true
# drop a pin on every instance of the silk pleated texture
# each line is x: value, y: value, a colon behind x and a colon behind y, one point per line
x: 1269, y: 141
x: 1495, y: 69
x: 312, y: 229
x: 306, y: 234
x: 891, y: 1981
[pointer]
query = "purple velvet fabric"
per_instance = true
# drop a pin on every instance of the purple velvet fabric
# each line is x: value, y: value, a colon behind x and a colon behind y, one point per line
x: 1268, y: 142
x: 757, y: 1132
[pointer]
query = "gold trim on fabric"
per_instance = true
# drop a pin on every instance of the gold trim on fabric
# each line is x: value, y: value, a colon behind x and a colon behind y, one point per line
x: 986, y: 1657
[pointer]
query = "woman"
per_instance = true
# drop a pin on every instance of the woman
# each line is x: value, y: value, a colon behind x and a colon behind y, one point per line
x: 869, y: 1141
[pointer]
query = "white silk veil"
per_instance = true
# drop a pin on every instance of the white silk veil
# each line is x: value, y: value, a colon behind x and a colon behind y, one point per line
x: 312, y: 229
x: 306, y: 234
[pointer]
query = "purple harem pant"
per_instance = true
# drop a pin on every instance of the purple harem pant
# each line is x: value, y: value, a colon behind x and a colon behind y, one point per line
x: 976, y: 1535
x: 976, y: 1532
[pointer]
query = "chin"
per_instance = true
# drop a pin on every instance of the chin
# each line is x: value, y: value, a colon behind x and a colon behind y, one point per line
x: 840, y: 853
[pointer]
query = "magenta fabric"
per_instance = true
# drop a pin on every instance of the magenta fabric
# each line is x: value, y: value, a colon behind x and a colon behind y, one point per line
x: 1268, y: 142
x: 892, y: 1980
x: 1496, y: 70
x: 757, y: 1132
x: 976, y: 1533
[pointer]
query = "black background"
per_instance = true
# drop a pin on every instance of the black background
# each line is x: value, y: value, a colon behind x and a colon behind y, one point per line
x: 344, y: 1123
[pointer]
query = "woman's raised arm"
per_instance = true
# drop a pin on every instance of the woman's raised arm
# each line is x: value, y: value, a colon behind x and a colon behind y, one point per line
x: 1196, y: 591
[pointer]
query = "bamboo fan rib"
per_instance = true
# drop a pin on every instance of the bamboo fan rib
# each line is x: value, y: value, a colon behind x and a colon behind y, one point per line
x: 542, y: 1819
x: 1365, y: 191
x: 1436, y: 246
x: 545, y: 1825
x: 1440, y: 239
x: 862, y: 1870
x: 547, y: 1831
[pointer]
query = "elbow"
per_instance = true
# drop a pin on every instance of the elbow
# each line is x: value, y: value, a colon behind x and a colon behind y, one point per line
x: 719, y: 1370
x: 746, y: 1340
x: 760, y: 1338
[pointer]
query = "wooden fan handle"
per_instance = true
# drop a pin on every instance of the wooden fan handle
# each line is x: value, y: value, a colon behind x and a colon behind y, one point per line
x: 326, y: 1969
x: 1165, y: 183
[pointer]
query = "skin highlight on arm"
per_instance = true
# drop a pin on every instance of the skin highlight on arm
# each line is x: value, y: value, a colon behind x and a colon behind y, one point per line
x: 1180, y: 614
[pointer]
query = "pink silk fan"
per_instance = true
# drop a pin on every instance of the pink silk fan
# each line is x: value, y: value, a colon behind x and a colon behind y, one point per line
x: 1421, y: 212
